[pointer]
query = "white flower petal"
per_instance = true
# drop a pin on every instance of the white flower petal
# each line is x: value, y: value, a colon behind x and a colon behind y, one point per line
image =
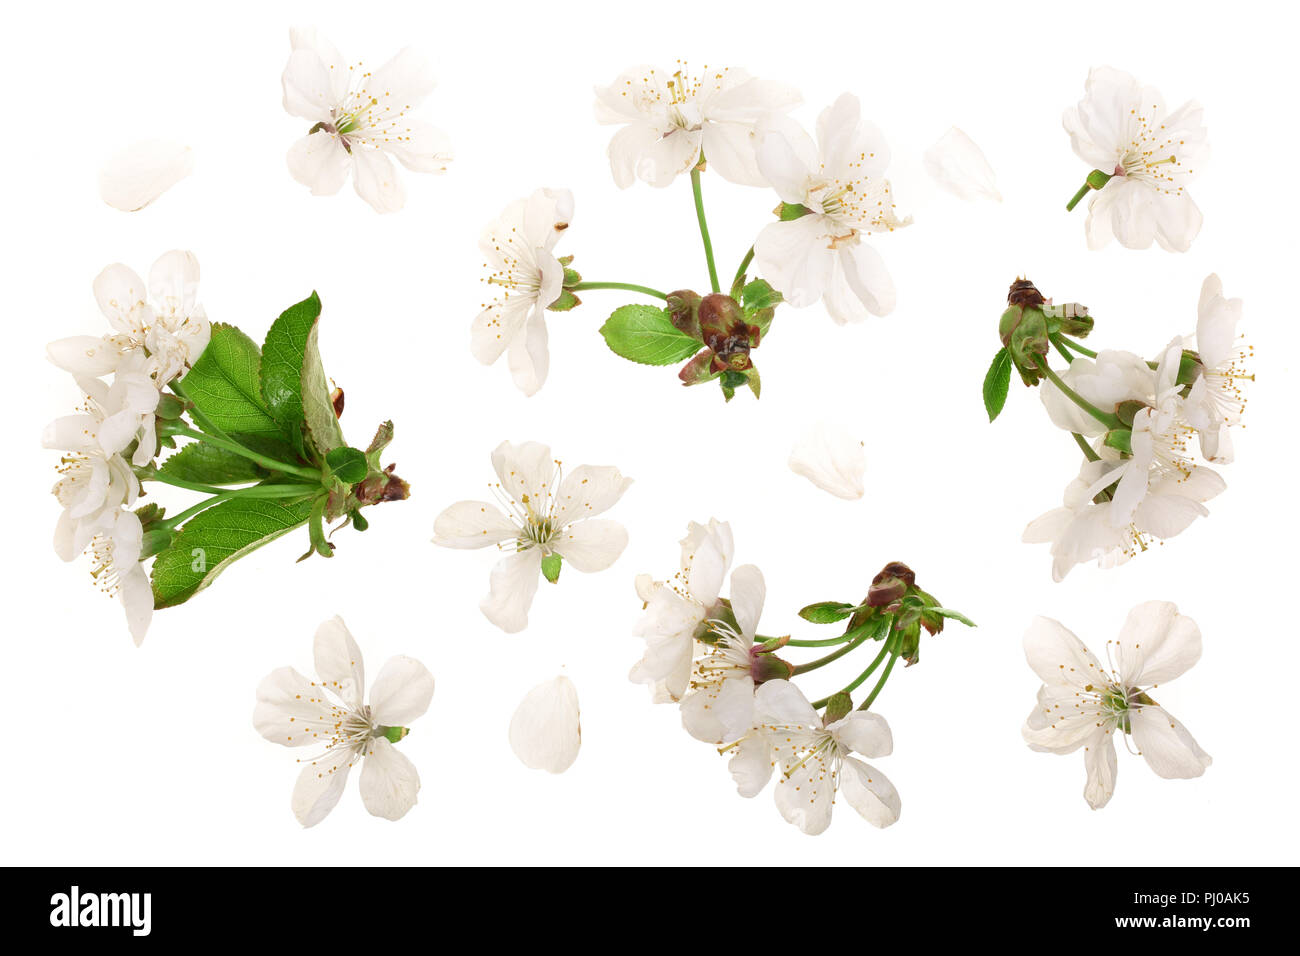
x: 389, y: 781
x: 401, y: 693
x: 1166, y: 745
x: 796, y: 258
x: 528, y: 354
x: 865, y: 733
x: 591, y: 545
x: 1099, y: 761
x: 338, y: 662
x: 139, y: 174
x: 959, y: 166
x: 1156, y: 644
x: 1058, y: 657
x: 403, y: 82
x: 319, y: 787
x: 136, y: 595
x: 290, y: 710
x: 865, y: 273
x: 751, y: 765
x: 525, y: 469
x: 807, y: 796
x: 748, y: 592
x: 720, y: 713
x: 869, y: 791
x: 472, y: 524
x: 376, y: 180
x: 546, y: 729
x: 308, y: 87
x: 707, y: 551
x: 589, y: 490
x: 320, y: 162
x: 832, y: 458
x: 513, y: 585
x: 781, y: 702
x: 85, y: 356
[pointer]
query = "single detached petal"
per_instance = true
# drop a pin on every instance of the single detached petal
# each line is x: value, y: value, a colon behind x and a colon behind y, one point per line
x: 472, y: 524
x: 142, y: 172
x: 546, y: 731
x: 869, y: 791
x: 513, y: 585
x: 832, y: 458
x: 389, y: 781
x: 1166, y: 745
x: 1156, y: 645
x: 591, y: 545
x: 956, y: 164
x: 338, y: 662
x: 401, y: 693
x: 319, y: 787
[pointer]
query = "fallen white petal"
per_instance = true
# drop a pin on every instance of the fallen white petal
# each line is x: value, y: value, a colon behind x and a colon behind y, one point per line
x: 959, y: 166
x: 545, y: 732
x: 142, y: 172
x: 832, y: 459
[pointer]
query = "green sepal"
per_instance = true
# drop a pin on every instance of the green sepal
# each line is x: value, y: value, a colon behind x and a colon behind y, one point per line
x: 169, y: 407
x: 551, y: 566
x: 571, y: 276
x: 395, y: 734
x: 359, y: 521
x: 383, y: 435
x: 838, y: 707
x: 827, y: 612
x: 646, y: 335
x: 788, y: 212
x: 565, y: 302
x: 348, y: 465
x: 316, y: 530
x: 1121, y: 439
x: 156, y: 541
x: 1190, y: 368
x: 1096, y: 180
x: 997, y: 383
x: 950, y: 613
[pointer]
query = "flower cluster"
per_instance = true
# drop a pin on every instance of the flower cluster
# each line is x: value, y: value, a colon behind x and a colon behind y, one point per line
x: 704, y: 653
x: 158, y: 330
x: 833, y: 195
x: 1136, y: 422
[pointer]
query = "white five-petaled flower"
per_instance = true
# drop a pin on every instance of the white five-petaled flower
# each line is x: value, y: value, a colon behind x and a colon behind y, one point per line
x: 1115, y: 376
x: 1082, y: 704
x: 675, y: 610
x: 719, y: 704
x: 1216, y: 400
x: 670, y: 119
x: 115, y: 567
x: 840, y: 182
x: 814, y: 760
x: 517, y: 247
x: 163, y: 319
x: 331, y: 714
x: 546, y: 514
x: 361, y: 118
x: 1123, y: 129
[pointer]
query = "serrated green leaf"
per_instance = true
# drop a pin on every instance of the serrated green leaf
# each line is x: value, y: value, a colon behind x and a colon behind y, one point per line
x: 209, y: 542
x: 225, y: 384
x: 348, y: 465
x: 645, y: 334
x: 996, y: 383
x: 210, y: 465
x: 282, y: 362
x: 826, y: 612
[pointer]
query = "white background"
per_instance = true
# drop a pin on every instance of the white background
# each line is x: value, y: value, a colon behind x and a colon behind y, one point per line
x: 119, y: 755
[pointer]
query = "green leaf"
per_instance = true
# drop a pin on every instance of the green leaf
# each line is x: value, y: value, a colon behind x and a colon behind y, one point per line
x: 645, y: 334
x: 210, y: 541
x: 996, y: 383
x: 225, y: 384
x: 348, y: 465
x: 827, y: 612
x: 955, y: 615
x: 293, y: 379
x: 210, y: 465
x: 551, y: 567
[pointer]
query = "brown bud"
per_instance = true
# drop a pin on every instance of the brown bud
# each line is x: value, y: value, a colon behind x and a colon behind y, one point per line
x: 336, y: 399
x: 1025, y: 294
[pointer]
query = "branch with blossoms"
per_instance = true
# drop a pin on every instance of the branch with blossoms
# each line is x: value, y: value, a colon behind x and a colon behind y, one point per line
x: 1132, y: 419
x: 832, y: 195
x: 705, y: 653
x: 173, y: 399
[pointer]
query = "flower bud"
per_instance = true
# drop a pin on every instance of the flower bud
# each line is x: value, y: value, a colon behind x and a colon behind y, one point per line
x: 1025, y: 294
x: 1023, y: 331
x: 765, y: 666
x: 683, y: 308
x: 890, y: 584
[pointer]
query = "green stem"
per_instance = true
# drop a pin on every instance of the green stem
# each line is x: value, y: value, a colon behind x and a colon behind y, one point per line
x: 828, y: 642
x: 239, y: 449
x: 1061, y: 347
x: 704, y: 227
x: 182, y: 483
x: 1107, y: 419
x: 880, y: 684
x: 859, y: 634
x: 1074, y: 201
x: 819, y: 704
x: 1076, y: 347
x: 1082, y: 442
x: 257, y: 491
x: 744, y: 264
x: 627, y: 286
